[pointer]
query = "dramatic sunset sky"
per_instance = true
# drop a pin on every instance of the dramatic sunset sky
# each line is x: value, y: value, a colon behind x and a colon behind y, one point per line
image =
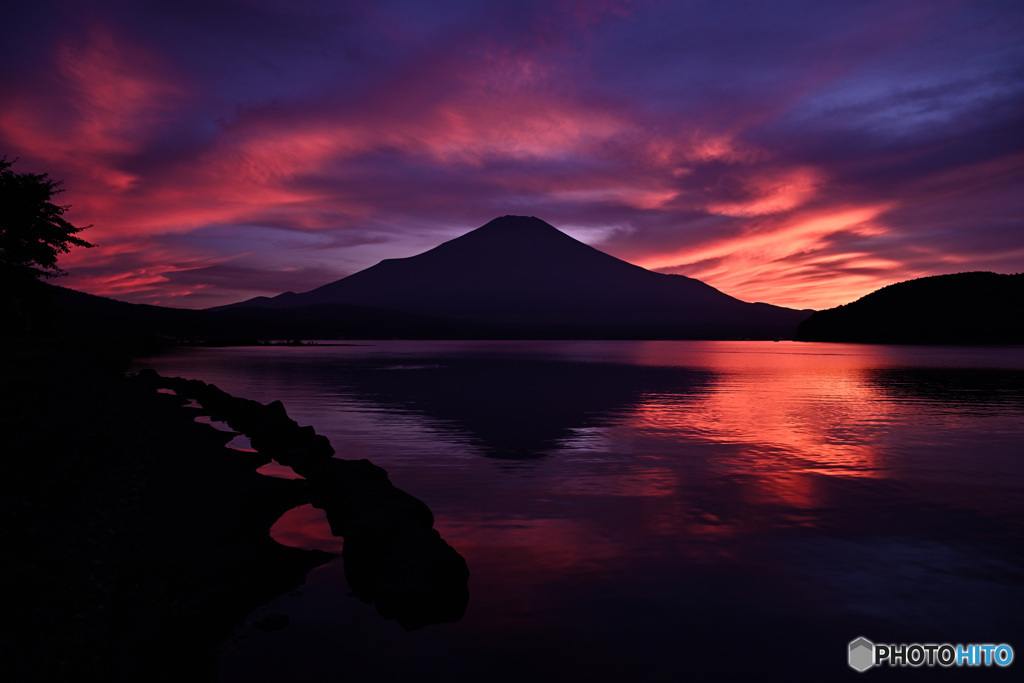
x: 799, y: 153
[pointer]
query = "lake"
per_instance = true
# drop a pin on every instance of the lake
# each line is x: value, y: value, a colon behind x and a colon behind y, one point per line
x: 656, y: 510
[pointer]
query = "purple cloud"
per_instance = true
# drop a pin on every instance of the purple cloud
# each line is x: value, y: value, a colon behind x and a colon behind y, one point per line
x: 798, y: 153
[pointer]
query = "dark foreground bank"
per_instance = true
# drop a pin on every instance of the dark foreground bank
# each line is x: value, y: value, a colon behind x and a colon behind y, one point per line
x: 135, y: 540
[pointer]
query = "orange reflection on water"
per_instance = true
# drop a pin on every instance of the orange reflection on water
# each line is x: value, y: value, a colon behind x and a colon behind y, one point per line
x: 786, y: 413
x: 795, y: 427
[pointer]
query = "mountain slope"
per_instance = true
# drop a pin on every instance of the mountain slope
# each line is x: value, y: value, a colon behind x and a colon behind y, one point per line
x: 963, y: 308
x: 67, y: 312
x: 520, y: 270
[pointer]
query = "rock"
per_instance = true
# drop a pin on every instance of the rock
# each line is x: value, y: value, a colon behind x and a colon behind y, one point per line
x: 412, y: 576
x: 393, y: 555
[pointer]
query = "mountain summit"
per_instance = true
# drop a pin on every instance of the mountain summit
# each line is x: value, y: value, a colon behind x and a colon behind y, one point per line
x: 522, y: 271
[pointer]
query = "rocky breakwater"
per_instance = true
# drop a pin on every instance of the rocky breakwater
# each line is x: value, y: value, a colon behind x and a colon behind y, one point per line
x: 133, y: 541
x: 393, y: 556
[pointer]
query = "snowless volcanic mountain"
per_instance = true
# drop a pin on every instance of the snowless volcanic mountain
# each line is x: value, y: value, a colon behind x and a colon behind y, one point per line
x: 519, y: 271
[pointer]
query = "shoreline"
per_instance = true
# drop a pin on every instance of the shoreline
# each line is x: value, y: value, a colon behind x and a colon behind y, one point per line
x: 137, y: 540
x: 133, y: 534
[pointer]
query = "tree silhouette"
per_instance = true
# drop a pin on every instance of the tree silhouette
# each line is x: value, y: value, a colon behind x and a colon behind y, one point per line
x: 32, y: 230
x: 32, y: 235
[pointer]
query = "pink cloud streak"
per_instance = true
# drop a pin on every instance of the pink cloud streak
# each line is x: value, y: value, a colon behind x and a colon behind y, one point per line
x: 450, y: 137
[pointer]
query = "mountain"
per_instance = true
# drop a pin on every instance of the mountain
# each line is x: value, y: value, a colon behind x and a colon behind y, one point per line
x: 61, y: 311
x: 518, y: 274
x: 962, y: 308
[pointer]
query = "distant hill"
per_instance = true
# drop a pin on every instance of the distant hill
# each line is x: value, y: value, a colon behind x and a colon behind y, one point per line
x: 72, y: 312
x: 519, y: 276
x: 964, y: 308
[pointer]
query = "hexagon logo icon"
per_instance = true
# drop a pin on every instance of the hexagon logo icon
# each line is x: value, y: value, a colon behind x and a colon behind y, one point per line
x: 862, y: 654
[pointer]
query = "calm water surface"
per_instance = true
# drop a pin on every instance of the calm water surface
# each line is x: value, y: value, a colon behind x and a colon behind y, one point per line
x: 658, y: 510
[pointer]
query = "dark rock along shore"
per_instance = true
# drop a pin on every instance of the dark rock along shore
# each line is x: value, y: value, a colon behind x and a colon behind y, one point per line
x: 135, y: 540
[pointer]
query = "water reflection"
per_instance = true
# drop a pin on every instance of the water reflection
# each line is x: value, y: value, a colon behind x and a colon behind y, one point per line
x: 632, y: 497
x: 306, y: 527
x: 515, y: 408
x: 987, y: 388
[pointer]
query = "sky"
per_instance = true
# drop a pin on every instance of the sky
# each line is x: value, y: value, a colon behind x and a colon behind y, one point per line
x: 798, y: 153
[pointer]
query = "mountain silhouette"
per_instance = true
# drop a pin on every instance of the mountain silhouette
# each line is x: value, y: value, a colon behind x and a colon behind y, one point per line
x: 71, y: 312
x: 519, y: 272
x: 520, y: 409
x: 961, y: 308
